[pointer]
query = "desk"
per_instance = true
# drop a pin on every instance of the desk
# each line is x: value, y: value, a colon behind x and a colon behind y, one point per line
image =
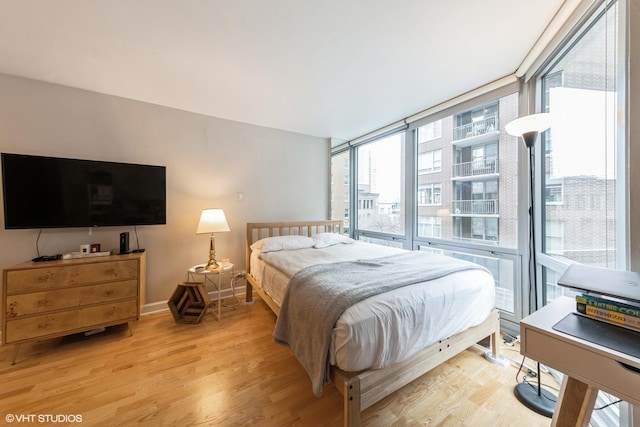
x: 208, y: 276
x: 588, y: 367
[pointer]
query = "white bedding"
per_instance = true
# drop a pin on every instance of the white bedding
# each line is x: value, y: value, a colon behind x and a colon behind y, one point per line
x: 393, y: 326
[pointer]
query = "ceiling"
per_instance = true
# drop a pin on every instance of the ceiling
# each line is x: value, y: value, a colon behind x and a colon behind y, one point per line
x: 329, y: 68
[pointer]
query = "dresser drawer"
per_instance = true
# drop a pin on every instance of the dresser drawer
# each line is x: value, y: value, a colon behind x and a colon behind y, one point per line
x: 36, y: 279
x: 45, y: 301
x: 70, y: 321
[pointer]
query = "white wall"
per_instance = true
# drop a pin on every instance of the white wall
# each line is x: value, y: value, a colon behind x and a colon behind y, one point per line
x: 284, y: 175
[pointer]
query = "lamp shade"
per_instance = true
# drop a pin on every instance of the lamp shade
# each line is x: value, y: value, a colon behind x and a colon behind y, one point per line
x: 528, y: 127
x: 212, y: 221
x: 532, y: 123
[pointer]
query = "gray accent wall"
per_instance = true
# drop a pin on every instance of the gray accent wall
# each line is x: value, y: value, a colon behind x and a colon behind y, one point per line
x: 283, y: 175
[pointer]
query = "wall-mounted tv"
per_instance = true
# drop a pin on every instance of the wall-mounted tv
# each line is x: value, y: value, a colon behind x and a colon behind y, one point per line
x: 51, y: 192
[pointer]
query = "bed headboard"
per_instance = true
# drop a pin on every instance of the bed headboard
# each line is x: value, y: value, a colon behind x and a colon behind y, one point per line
x: 260, y: 230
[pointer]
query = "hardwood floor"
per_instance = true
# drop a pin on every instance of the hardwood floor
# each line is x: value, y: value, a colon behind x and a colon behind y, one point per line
x: 231, y: 373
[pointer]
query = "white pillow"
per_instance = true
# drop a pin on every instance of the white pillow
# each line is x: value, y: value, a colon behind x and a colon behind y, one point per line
x: 323, y: 240
x: 282, y: 243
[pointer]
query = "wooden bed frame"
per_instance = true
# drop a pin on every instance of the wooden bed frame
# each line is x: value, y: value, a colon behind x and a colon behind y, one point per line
x: 362, y: 389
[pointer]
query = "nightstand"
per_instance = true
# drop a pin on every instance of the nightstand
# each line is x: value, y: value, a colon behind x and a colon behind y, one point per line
x: 215, y: 278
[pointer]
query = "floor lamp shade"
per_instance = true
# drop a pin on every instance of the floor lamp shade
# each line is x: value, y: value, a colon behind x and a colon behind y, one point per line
x: 528, y: 128
x: 212, y: 221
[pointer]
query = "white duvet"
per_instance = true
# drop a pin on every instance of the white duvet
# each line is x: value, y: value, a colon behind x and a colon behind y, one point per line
x: 389, y: 327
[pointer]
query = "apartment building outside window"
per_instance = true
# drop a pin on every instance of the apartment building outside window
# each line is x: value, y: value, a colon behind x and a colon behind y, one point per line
x: 430, y: 195
x: 340, y: 188
x: 380, y: 185
x: 477, y: 181
x: 430, y: 161
x: 431, y: 131
x: 479, y: 168
x: 430, y: 226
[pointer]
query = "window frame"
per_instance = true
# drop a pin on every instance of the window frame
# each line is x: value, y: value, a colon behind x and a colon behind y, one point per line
x: 553, y: 262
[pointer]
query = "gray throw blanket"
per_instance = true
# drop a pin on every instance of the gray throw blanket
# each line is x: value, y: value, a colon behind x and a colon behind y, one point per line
x: 319, y: 294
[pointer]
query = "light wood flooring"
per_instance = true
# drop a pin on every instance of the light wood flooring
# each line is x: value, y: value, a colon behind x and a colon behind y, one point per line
x: 231, y: 373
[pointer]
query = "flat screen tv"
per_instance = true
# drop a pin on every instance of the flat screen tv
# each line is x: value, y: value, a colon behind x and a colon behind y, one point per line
x: 51, y: 192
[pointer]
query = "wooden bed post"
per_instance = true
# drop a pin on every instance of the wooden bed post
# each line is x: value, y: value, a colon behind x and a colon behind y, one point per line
x: 493, y: 355
x: 349, y: 387
x: 352, y: 404
x: 249, y: 236
x: 495, y: 344
x: 249, y: 294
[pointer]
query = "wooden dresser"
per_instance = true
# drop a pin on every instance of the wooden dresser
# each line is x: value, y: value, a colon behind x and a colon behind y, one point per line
x: 50, y: 299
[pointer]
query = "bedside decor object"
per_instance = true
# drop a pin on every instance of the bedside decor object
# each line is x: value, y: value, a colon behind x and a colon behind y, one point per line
x: 212, y: 221
x: 528, y: 128
x: 189, y: 302
x: 210, y: 276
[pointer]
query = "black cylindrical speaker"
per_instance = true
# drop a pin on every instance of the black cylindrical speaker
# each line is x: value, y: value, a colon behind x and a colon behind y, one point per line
x: 124, y: 242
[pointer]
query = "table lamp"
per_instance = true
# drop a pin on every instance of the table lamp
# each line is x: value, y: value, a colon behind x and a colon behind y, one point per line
x: 212, y: 221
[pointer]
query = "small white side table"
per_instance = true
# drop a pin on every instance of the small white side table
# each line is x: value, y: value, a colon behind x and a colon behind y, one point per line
x: 209, y: 276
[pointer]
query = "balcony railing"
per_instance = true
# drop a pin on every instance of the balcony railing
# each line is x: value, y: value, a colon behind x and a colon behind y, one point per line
x: 475, y: 207
x: 475, y: 168
x: 481, y: 127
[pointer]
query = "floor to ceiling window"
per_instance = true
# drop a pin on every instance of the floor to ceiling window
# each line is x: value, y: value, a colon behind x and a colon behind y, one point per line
x: 380, y: 190
x: 466, y: 190
x: 582, y: 205
x: 582, y: 179
x: 340, y: 187
x: 447, y: 183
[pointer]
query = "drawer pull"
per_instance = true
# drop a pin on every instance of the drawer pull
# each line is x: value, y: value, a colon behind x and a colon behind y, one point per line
x: 44, y: 303
x: 630, y: 368
x: 12, y: 310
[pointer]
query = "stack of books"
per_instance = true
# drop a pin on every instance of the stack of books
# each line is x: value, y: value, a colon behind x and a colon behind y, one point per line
x: 611, y: 310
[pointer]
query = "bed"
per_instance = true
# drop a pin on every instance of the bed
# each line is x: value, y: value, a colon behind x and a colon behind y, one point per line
x: 459, y: 299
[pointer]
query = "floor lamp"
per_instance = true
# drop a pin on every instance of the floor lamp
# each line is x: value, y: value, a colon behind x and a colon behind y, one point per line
x: 528, y: 128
